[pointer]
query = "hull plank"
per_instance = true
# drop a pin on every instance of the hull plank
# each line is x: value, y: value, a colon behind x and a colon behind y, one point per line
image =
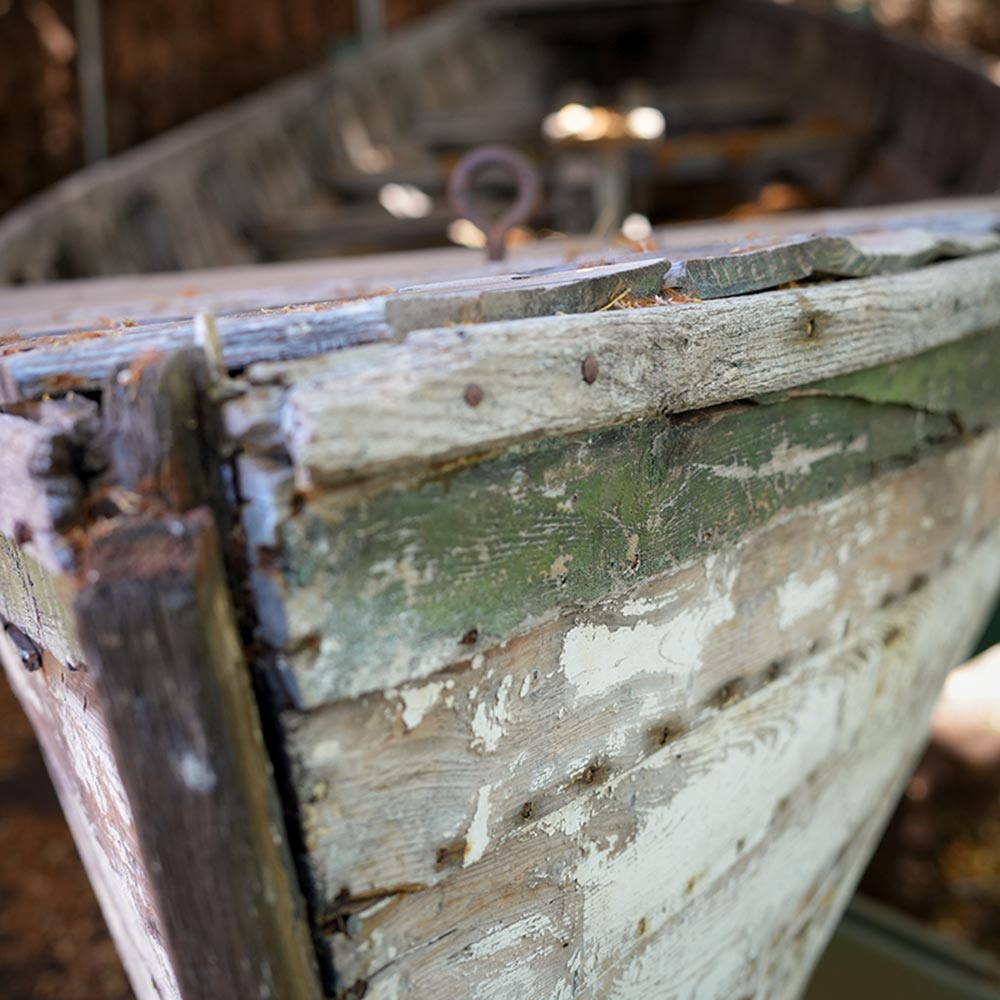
x: 740, y: 832
x: 35, y: 362
x: 382, y: 589
x: 390, y: 408
x: 543, y: 719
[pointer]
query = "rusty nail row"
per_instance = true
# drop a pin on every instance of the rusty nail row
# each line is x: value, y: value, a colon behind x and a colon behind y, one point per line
x: 589, y: 369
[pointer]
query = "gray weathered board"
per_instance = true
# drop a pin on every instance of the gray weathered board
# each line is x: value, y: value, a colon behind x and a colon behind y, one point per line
x: 572, y: 639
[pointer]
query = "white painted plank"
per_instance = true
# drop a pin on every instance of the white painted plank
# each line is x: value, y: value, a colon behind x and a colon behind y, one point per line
x: 529, y: 718
x: 713, y: 869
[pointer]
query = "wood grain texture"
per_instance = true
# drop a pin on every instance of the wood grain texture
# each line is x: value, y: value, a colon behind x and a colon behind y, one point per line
x: 44, y: 361
x: 147, y: 716
x: 158, y: 631
x: 605, y: 688
x: 389, y: 408
x: 361, y: 590
x: 740, y: 831
x: 549, y: 292
x: 162, y: 436
x: 37, y: 600
x: 55, y: 363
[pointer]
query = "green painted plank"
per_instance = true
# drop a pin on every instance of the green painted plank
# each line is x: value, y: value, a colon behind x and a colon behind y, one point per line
x: 957, y: 380
x: 385, y: 590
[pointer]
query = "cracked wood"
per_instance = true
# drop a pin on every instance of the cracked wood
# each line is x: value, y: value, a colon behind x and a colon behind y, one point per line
x: 400, y: 408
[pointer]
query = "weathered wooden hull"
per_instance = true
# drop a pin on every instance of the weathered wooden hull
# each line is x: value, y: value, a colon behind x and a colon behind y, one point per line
x: 595, y: 688
x: 413, y: 627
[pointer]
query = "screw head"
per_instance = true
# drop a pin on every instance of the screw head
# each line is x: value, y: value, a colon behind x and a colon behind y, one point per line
x: 590, y: 369
x: 473, y: 394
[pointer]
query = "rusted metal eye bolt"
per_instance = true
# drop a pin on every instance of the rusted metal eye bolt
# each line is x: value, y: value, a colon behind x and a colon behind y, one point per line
x: 473, y: 394
x: 590, y: 369
x: 528, y: 188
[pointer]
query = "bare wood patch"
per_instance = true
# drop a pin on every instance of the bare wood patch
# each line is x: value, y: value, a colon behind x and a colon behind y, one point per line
x: 856, y: 256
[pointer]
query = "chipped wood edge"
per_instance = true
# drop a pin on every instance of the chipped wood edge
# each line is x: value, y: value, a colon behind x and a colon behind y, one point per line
x: 858, y: 256
x: 161, y: 658
x: 42, y: 363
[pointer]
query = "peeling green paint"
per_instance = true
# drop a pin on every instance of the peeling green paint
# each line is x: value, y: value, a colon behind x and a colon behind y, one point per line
x: 959, y: 380
x: 393, y: 584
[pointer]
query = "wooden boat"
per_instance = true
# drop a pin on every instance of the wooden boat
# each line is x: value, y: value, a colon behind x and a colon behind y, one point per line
x: 414, y: 626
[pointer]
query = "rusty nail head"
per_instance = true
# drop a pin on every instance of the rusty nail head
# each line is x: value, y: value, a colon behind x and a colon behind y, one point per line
x: 473, y: 394
x: 590, y: 369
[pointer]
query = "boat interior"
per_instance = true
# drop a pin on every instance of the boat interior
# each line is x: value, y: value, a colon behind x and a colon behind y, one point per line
x: 635, y: 114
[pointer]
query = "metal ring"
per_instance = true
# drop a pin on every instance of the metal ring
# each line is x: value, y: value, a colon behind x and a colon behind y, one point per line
x: 528, y: 187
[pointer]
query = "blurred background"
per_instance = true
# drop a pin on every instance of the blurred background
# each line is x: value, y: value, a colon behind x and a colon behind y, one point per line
x: 84, y: 80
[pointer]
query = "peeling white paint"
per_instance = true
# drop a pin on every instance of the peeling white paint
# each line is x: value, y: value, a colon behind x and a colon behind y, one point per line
x: 488, y: 723
x: 478, y: 837
x: 787, y: 460
x: 418, y: 701
x: 570, y: 819
x: 196, y: 772
x: 596, y: 658
x: 639, y: 606
x: 873, y: 587
x: 500, y: 937
x: 325, y: 752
